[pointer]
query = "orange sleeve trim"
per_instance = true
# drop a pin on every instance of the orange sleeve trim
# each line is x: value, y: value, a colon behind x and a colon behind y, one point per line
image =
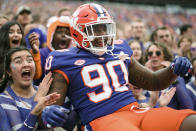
x: 37, y: 59
x: 64, y: 75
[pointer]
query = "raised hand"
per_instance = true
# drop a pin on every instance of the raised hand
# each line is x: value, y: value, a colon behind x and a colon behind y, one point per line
x: 166, y: 97
x: 34, y: 42
x: 45, y: 101
x: 41, y: 98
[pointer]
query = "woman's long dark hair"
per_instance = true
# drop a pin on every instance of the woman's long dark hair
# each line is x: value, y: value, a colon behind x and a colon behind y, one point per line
x: 6, y: 78
x: 5, y: 43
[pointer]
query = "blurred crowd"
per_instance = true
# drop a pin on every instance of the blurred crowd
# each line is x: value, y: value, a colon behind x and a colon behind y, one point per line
x: 153, y: 16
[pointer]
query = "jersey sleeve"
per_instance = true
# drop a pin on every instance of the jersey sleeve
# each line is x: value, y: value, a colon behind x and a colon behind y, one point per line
x: 53, y: 62
x: 58, y: 62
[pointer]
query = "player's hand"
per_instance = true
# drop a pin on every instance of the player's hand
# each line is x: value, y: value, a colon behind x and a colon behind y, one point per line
x: 55, y: 115
x: 181, y: 66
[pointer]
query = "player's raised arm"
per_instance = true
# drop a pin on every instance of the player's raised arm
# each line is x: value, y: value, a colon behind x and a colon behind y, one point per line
x: 142, y: 77
x: 59, y: 85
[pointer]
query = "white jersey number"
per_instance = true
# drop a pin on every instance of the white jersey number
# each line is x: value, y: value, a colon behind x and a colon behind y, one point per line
x: 103, y: 80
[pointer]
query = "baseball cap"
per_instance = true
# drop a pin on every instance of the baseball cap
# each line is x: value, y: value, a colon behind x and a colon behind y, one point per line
x: 23, y: 9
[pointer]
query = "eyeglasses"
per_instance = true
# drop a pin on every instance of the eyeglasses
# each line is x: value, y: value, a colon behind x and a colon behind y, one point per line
x: 150, y: 53
x: 193, y: 49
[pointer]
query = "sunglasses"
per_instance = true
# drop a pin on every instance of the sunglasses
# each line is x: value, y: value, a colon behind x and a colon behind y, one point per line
x: 150, y: 53
x: 193, y: 49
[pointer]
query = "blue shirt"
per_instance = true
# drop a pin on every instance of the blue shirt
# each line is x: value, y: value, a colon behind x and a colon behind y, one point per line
x: 13, y: 112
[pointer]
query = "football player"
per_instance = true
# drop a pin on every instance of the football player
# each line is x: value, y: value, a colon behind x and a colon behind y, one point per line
x: 95, y: 76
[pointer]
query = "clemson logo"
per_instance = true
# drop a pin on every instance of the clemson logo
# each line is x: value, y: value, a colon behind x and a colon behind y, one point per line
x: 79, y: 62
x: 137, y: 109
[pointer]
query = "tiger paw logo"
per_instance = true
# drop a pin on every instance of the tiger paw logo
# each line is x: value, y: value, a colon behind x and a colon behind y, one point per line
x: 137, y: 109
x: 79, y: 62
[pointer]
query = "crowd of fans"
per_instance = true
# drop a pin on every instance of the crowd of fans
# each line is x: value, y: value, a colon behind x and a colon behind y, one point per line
x: 123, y: 14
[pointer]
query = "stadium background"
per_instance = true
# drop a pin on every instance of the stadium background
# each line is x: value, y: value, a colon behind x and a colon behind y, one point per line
x: 155, y: 13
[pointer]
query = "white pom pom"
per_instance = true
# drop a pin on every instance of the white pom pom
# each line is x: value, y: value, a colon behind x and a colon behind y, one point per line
x: 64, y: 19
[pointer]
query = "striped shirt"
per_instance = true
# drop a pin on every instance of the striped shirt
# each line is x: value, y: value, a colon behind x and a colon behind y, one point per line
x: 15, y: 112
